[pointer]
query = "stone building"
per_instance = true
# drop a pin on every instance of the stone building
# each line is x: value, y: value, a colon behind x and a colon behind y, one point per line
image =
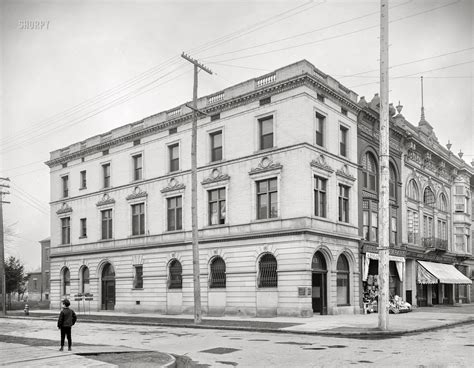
x: 277, y: 204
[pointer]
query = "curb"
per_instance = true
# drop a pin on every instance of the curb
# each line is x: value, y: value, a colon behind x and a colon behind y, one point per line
x: 371, y: 333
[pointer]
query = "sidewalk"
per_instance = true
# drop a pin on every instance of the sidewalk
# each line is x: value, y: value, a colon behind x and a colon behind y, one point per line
x: 421, y: 319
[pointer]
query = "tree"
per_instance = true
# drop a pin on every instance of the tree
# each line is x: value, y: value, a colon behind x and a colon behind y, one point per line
x: 15, y: 278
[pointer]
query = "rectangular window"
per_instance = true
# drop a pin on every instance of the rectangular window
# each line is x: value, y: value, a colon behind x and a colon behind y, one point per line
x: 459, y: 239
x: 413, y: 226
x: 175, y: 212
x: 343, y: 203
x: 215, y: 117
x: 320, y: 97
x: 65, y: 180
x: 138, y: 277
x: 137, y: 167
x: 267, y: 199
x: 343, y: 141
x: 136, y: 142
x: 173, y: 131
x: 343, y: 111
x: 265, y: 101
x: 83, y: 183
x: 393, y: 230
x: 374, y: 226
x: 174, y: 157
x: 427, y: 226
x: 266, y: 132
x: 66, y: 230
x: 320, y: 122
x: 83, y: 233
x: 106, y: 224
x: 106, y: 175
x: 320, y: 196
x: 138, y: 219
x: 365, y: 225
x: 216, y: 146
x: 217, y: 208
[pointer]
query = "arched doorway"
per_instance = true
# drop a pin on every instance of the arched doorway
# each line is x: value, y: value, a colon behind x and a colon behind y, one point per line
x: 108, y: 287
x: 319, y: 282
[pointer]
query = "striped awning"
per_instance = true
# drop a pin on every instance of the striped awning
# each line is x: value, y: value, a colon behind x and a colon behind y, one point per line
x: 432, y: 273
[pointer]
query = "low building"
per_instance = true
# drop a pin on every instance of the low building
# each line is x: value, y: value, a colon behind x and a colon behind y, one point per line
x: 277, y: 204
x: 34, y: 285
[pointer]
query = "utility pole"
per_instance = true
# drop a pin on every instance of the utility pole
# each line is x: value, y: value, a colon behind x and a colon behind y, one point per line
x: 194, y: 219
x: 384, y: 213
x: 2, y: 244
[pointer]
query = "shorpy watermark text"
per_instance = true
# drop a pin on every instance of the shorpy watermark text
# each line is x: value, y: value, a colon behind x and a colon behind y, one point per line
x: 33, y: 25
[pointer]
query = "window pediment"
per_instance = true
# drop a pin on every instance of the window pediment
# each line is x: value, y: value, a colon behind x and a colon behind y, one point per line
x: 173, y: 186
x: 216, y: 176
x: 320, y: 163
x: 65, y: 209
x: 137, y: 193
x: 344, y: 174
x: 266, y: 165
x: 105, y: 200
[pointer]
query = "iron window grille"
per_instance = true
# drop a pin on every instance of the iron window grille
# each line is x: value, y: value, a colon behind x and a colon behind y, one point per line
x: 138, y: 219
x: 174, y: 157
x: 343, y: 203
x: 342, y: 281
x: 175, y: 212
x: 216, y: 146
x: 175, y: 280
x: 66, y: 230
x: 217, y: 206
x: 320, y: 122
x: 65, y: 186
x: 267, y: 199
x: 66, y: 281
x: 266, y: 132
x: 137, y: 167
x: 267, y: 271
x: 85, y: 282
x: 320, y: 196
x: 138, y: 277
x: 217, y: 277
x: 106, y: 224
x: 106, y: 175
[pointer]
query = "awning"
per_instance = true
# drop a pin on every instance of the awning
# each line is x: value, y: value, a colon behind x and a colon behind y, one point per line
x: 399, y: 262
x: 432, y: 273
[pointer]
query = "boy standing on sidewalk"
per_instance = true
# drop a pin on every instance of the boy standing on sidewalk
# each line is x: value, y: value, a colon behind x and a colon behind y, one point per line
x: 67, y: 318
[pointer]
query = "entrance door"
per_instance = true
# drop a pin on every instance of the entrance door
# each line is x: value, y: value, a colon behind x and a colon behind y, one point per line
x: 435, y: 294
x: 108, y: 287
x: 318, y: 284
x: 319, y: 293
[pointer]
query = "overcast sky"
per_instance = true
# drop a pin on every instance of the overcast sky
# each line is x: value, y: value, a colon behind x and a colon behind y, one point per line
x: 91, y: 66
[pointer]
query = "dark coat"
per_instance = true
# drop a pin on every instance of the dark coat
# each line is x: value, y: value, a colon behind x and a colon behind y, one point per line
x: 67, y: 318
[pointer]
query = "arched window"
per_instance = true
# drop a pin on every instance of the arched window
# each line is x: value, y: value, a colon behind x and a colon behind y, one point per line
x: 217, y: 275
x: 318, y: 263
x: 176, y: 275
x: 412, y: 190
x: 108, y: 271
x: 85, y: 285
x: 428, y: 197
x: 392, y: 182
x: 342, y: 280
x: 443, y: 203
x: 267, y: 271
x: 66, y: 289
x: 369, y: 172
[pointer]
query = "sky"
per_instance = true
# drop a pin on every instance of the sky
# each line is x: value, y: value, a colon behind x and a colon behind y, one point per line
x: 72, y: 69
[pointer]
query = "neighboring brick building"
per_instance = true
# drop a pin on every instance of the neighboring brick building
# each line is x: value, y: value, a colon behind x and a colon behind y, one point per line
x: 33, y: 285
x: 277, y: 204
x: 45, y: 267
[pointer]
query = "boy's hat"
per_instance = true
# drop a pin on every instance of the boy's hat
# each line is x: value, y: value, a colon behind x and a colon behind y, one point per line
x: 66, y: 302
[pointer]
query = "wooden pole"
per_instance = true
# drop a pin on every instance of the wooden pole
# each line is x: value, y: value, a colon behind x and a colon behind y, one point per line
x: 194, y: 219
x: 2, y: 247
x: 384, y: 210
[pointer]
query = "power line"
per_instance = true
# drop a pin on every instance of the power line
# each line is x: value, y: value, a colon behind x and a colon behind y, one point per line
x: 32, y: 205
x: 35, y: 200
x: 331, y: 37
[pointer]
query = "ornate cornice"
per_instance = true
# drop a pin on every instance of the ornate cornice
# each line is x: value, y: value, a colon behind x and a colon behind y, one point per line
x: 137, y: 193
x: 105, y: 200
x: 267, y: 90
x: 266, y: 164
x: 173, y: 185
x: 215, y: 176
x: 65, y: 208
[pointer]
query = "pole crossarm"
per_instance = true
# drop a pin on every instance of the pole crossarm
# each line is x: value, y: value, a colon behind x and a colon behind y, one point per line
x: 196, y: 63
x: 197, y: 110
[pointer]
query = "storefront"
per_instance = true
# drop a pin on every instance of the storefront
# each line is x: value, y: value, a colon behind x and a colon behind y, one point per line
x: 439, y: 283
